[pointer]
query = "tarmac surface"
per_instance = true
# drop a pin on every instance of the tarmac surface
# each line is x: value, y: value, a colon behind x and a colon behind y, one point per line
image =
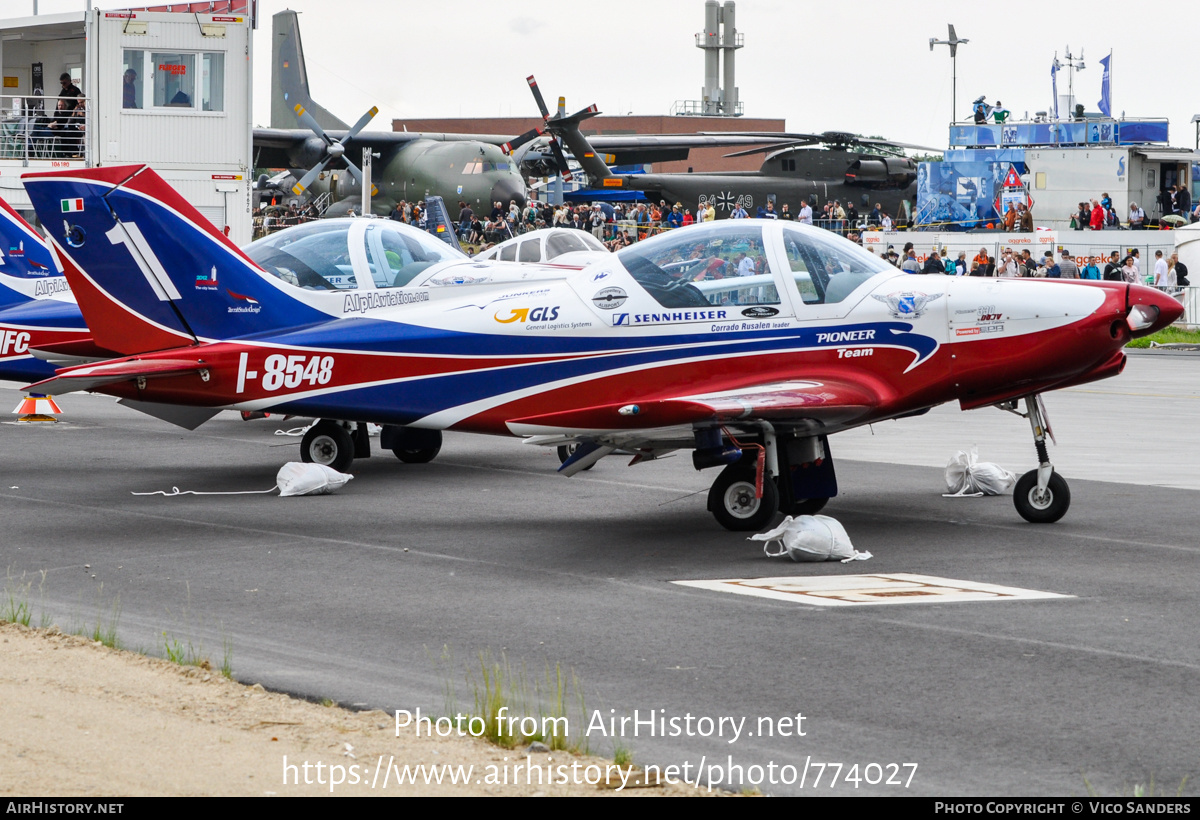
x: 387, y: 594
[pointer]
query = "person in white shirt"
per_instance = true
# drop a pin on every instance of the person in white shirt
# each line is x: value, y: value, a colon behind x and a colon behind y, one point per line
x: 806, y: 214
x: 1137, y: 217
x: 885, y: 223
x: 1160, y: 270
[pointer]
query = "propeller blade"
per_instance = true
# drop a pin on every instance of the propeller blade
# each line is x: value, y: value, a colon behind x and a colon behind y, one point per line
x: 312, y: 124
x: 354, y: 172
x: 560, y: 160
x: 306, y: 180
x: 360, y: 125
x: 516, y: 143
x: 537, y: 95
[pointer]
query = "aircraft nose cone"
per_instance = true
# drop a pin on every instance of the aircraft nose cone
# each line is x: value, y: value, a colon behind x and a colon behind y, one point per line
x: 508, y: 189
x: 1150, y: 310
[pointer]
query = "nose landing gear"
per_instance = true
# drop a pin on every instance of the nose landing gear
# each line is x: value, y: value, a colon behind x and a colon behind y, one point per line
x: 1041, y: 496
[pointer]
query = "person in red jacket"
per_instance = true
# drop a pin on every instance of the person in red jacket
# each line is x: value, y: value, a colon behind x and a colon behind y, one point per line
x: 1098, y: 216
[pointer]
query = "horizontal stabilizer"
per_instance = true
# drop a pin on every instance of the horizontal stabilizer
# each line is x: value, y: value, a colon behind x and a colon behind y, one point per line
x: 91, y: 376
x: 68, y: 354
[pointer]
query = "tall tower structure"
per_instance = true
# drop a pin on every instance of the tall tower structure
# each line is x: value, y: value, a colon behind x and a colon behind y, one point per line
x: 720, y: 35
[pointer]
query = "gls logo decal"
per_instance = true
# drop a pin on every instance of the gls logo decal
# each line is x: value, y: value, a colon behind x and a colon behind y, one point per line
x: 537, y: 314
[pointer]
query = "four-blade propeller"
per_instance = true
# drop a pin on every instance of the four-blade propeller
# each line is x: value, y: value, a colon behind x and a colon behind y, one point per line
x: 333, y: 149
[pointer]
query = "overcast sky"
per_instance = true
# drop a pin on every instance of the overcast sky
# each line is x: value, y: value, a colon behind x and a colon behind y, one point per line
x: 863, y: 67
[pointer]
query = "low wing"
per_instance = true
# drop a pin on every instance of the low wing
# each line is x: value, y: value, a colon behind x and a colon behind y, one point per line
x: 826, y: 402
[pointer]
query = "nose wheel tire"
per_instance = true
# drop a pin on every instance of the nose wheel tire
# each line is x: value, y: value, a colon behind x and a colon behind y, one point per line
x: 328, y: 443
x: 1042, y: 508
x: 732, y: 502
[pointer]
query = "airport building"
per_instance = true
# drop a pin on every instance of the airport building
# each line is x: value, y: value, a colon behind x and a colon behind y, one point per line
x: 1053, y: 165
x: 169, y: 86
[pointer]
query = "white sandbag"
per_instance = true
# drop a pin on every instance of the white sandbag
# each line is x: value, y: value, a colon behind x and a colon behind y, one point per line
x: 299, y: 478
x: 967, y: 476
x: 810, y: 538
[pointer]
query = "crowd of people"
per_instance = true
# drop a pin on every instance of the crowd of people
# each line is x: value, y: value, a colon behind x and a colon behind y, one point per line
x: 1168, y: 273
x: 1099, y: 214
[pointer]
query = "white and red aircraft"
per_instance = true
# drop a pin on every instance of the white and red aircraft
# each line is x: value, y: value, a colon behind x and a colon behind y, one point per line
x: 749, y: 342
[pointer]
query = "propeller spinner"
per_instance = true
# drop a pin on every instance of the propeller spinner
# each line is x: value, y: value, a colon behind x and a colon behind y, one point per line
x: 333, y: 149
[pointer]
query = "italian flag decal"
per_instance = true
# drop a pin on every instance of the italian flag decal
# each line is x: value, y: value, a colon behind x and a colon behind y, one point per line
x: 69, y: 205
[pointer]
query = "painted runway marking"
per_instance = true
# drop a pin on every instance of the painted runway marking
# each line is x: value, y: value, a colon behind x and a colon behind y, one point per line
x: 870, y: 590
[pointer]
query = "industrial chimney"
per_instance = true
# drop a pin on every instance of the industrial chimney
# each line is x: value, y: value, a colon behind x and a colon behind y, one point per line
x: 719, y: 35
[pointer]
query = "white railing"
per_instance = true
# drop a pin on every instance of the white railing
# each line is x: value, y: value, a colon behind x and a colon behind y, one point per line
x: 1190, y: 297
x: 43, y: 128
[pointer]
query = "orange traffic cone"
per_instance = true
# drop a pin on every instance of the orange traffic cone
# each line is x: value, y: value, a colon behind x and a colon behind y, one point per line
x: 36, y: 408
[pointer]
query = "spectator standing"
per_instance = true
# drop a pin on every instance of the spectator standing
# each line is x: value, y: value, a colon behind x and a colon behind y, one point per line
x: 806, y: 214
x: 1137, y: 217
x: 933, y: 264
x: 1026, y: 220
x: 1181, y: 279
x: 1160, y: 270
x: 1112, y: 269
x: 598, y: 221
x: 1183, y: 201
x: 1068, y: 267
x: 1090, y: 271
x: 1097, y: 217
x: 1010, y: 218
x: 1129, y: 271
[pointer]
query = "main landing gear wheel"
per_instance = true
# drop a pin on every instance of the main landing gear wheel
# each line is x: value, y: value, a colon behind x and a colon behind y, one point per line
x: 419, y: 446
x: 732, y: 501
x: 804, y: 506
x: 1045, y: 507
x: 329, y: 443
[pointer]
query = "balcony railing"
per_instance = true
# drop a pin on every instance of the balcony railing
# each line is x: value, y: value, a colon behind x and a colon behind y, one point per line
x: 43, y: 128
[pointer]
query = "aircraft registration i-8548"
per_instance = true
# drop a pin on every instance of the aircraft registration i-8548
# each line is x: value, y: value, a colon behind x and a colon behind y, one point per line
x: 749, y: 342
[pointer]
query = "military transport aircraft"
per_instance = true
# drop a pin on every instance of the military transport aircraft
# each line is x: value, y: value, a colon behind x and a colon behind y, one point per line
x: 469, y: 168
x: 749, y: 342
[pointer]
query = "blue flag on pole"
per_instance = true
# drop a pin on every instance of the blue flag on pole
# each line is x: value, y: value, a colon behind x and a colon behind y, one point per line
x: 1054, y: 84
x: 1106, y: 86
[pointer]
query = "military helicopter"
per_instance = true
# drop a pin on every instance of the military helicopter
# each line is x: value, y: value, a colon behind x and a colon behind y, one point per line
x: 850, y: 168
